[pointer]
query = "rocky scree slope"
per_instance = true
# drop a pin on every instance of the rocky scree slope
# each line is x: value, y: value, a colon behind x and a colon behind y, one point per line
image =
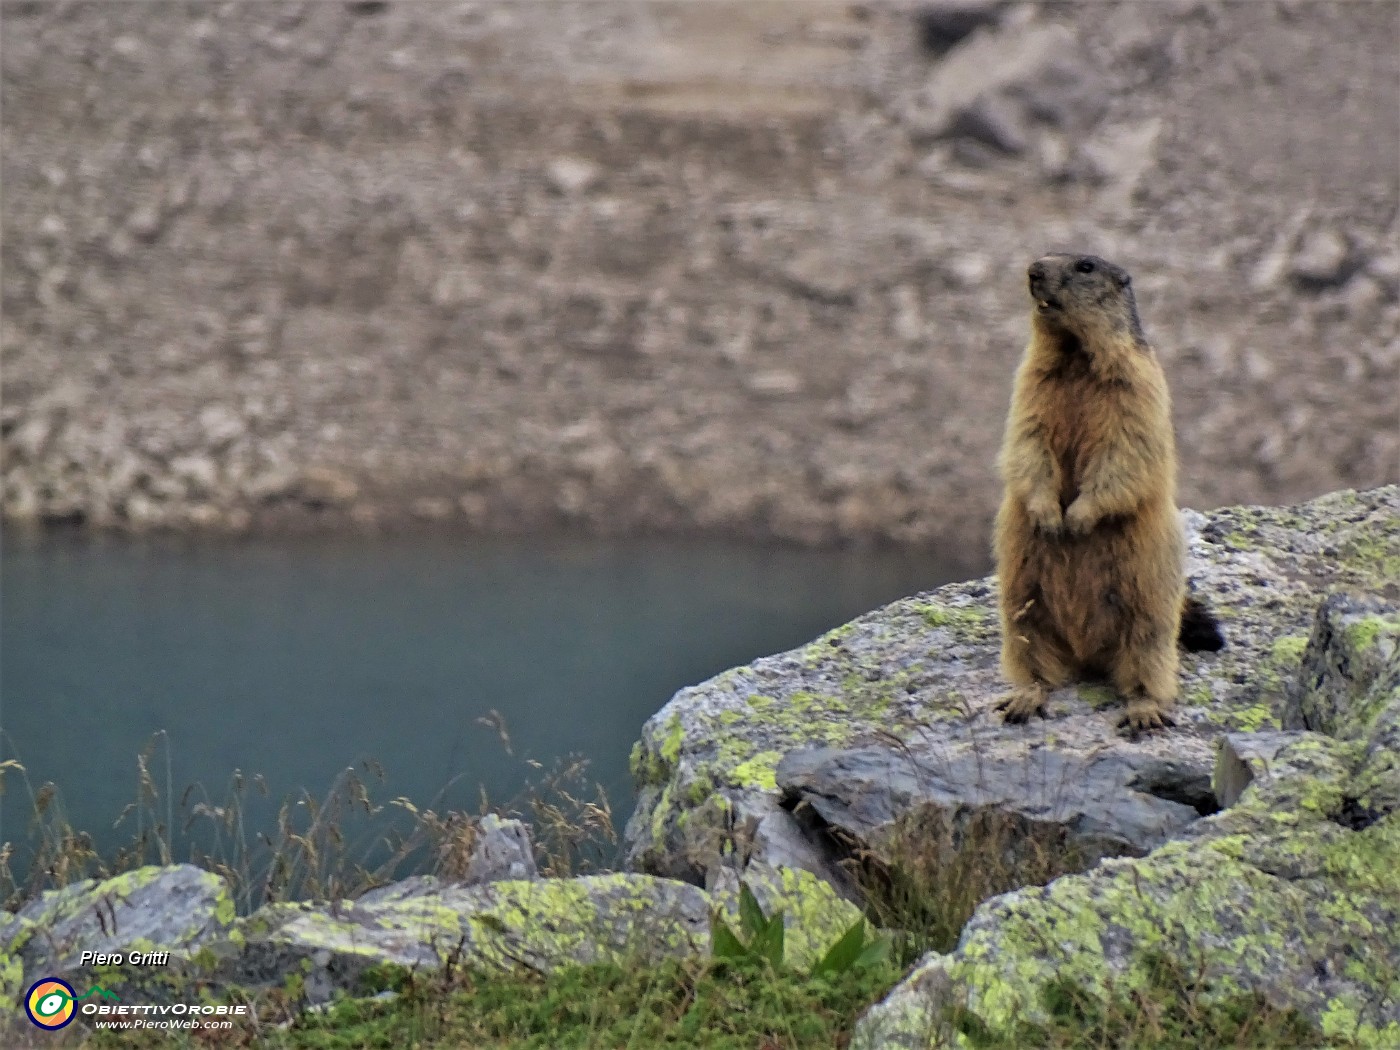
x: 355, y: 266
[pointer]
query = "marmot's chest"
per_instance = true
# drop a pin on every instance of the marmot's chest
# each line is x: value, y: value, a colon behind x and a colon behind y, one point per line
x: 1078, y: 419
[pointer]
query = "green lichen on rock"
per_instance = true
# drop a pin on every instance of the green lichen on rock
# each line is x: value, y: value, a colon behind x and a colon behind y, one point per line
x: 533, y: 925
x: 178, y: 909
x: 310, y: 952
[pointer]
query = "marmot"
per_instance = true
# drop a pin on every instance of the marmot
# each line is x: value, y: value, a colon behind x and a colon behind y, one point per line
x: 1089, y: 547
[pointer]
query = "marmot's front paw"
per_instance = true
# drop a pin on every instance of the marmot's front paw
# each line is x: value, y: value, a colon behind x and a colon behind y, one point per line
x: 1145, y: 716
x: 1045, y: 514
x: 1079, y: 517
x: 1018, y: 707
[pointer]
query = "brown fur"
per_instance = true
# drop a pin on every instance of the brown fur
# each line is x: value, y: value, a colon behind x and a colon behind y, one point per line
x: 1088, y: 543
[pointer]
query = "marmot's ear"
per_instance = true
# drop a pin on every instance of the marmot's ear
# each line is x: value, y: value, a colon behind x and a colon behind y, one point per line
x: 1124, y: 281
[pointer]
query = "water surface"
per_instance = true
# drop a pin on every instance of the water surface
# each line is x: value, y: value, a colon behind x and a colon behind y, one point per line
x: 295, y: 658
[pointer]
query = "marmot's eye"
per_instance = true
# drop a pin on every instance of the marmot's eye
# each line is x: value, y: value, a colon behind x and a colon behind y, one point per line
x: 1085, y: 266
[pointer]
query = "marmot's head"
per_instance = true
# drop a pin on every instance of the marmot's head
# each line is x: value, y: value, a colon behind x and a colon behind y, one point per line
x: 1085, y: 297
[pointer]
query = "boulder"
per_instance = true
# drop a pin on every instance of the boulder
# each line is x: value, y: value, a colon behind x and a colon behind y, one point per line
x: 175, y: 909
x: 536, y: 925
x: 533, y: 924
x: 1291, y: 895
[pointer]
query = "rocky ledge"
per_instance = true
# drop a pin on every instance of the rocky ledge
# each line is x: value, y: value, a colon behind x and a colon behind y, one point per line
x: 1257, y: 842
x: 1255, y: 846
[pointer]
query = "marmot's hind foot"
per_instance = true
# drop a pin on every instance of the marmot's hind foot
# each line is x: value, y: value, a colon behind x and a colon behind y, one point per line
x: 1020, y: 705
x: 1145, y: 716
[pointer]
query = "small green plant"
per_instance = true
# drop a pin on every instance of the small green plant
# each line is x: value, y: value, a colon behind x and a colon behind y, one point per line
x: 855, y: 949
x: 764, y: 933
x: 764, y: 941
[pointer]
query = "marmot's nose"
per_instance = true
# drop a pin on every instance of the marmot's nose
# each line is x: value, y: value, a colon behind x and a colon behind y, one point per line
x: 1036, y: 271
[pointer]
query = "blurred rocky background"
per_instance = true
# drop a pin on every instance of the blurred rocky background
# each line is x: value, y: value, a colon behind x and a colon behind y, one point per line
x: 688, y: 266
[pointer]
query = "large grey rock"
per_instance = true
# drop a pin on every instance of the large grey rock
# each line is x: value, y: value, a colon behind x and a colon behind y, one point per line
x: 1291, y: 894
x: 1109, y: 803
x: 894, y: 713
x: 536, y: 925
x: 175, y: 909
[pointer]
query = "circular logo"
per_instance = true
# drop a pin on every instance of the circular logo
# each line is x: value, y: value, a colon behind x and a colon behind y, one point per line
x: 49, y: 1002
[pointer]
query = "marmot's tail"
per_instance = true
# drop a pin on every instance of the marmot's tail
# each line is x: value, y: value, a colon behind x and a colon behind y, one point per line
x: 1200, y: 630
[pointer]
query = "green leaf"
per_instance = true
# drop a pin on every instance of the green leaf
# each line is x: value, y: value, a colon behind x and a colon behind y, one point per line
x: 769, y: 943
x: 723, y: 942
x: 877, y: 951
x: 842, y: 955
x: 751, y: 916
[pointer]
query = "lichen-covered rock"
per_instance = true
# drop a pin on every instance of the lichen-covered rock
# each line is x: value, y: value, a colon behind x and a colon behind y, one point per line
x: 895, y: 712
x: 171, y: 909
x: 532, y: 924
x: 313, y: 952
x: 1293, y: 893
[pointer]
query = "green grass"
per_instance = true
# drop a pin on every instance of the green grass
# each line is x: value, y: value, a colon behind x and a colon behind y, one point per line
x: 748, y: 1005
x: 695, y: 1004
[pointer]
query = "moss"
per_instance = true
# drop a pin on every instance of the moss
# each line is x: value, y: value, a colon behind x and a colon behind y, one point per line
x: 1374, y: 555
x: 815, y: 915
x: 699, y: 791
x: 1200, y: 695
x: 11, y: 977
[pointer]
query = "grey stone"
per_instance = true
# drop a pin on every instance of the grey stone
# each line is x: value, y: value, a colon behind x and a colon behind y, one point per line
x: 1090, y: 797
x: 31, y: 437
x: 998, y: 85
x: 1324, y: 259
x: 536, y: 925
x: 568, y: 175
x: 1245, y: 758
x: 176, y: 909
x: 1349, y: 670
x: 502, y: 850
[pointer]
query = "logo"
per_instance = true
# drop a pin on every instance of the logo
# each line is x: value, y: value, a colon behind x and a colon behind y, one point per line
x: 49, y: 1001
